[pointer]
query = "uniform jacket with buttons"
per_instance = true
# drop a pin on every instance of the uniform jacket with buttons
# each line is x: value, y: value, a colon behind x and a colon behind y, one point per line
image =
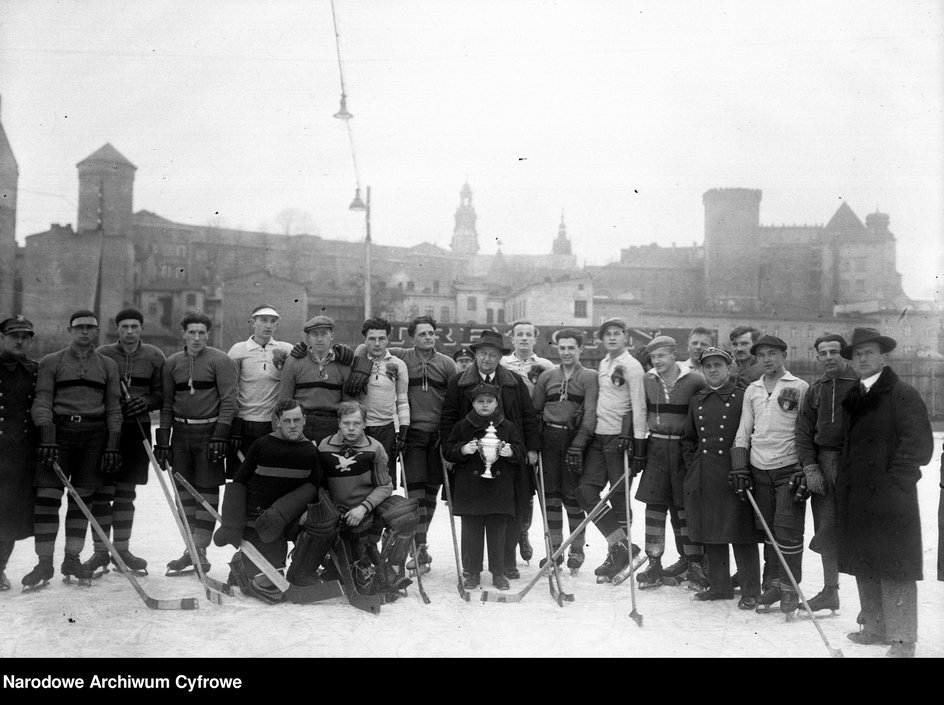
x: 17, y: 448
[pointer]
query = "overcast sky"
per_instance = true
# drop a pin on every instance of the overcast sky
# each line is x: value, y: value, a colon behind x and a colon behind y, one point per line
x: 621, y: 114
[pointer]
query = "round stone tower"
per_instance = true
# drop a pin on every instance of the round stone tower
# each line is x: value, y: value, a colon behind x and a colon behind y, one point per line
x: 732, y: 261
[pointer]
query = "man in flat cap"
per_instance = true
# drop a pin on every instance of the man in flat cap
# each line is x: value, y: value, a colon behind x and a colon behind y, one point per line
x: 765, y: 459
x: 715, y: 517
x: 141, y: 366
x: 259, y: 361
x: 325, y: 375
x: 887, y: 439
x: 669, y: 386
x: 819, y: 439
x: 515, y: 404
x: 17, y: 437
x: 620, y: 428
x: 77, y: 410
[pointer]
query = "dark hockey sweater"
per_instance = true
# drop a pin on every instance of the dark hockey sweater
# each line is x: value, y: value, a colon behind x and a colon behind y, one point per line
x: 274, y: 467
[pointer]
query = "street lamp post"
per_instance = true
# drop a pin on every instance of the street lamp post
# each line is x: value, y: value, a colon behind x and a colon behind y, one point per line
x: 358, y: 205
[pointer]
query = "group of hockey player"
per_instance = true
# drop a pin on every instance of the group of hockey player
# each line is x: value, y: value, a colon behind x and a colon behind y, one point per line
x: 311, y: 436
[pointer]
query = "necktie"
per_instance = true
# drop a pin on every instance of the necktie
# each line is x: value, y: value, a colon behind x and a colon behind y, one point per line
x: 488, y: 379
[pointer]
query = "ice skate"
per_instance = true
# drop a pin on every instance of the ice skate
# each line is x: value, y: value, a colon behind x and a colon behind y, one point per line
x: 72, y: 567
x: 97, y: 565
x: 696, y: 576
x: 184, y: 564
x: 789, y: 603
x: 423, y: 557
x: 575, y: 560
x: 827, y: 599
x: 767, y: 599
x: 559, y: 561
x: 38, y: 577
x: 4, y: 582
x: 639, y: 561
x: 676, y: 573
x: 617, y: 558
x: 652, y: 576
x: 136, y: 565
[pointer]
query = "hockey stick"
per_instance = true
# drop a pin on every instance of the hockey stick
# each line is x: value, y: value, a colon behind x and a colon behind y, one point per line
x: 184, y: 603
x: 416, y: 559
x: 368, y: 603
x: 553, y: 581
x: 634, y: 615
x: 593, y: 514
x: 298, y: 594
x: 455, y: 542
x: 835, y: 653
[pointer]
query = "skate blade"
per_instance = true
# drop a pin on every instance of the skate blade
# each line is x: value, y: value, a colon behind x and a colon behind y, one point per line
x: 99, y: 573
x: 180, y: 573
x: 424, y: 569
x: 803, y: 614
x: 650, y: 586
x: 139, y: 573
x: 37, y: 587
x: 767, y: 609
x: 79, y: 582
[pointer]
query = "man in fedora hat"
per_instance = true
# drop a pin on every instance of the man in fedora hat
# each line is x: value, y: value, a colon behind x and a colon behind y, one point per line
x: 819, y: 437
x: 17, y: 437
x: 887, y: 440
x: 515, y: 403
x: 765, y: 459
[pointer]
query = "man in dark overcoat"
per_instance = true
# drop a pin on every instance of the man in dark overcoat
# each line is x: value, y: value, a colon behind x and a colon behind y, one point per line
x: 17, y: 437
x: 887, y: 440
x: 716, y: 517
x: 515, y: 404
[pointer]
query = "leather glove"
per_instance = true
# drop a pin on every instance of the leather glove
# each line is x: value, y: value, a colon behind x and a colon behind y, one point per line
x: 798, y: 484
x: 401, y: 439
x: 360, y: 375
x: 343, y: 354
x: 740, y: 481
x: 235, y: 436
x: 48, y: 451
x: 574, y: 460
x: 219, y: 443
x: 435, y: 440
x: 233, y: 516
x: 534, y: 372
x: 640, y: 447
x: 299, y: 350
x: 815, y: 479
x: 111, y: 457
x: 624, y: 443
x: 133, y: 406
x: 739, y: 458
x: 162, y: 449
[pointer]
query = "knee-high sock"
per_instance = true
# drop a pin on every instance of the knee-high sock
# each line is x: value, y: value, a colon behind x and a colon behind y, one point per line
x: 101, y: 506
x: 575, y: 515
x: 76, y: 522
x: 792, y: 549
x: 685, y: 546
x: 46, y: 520
x: 553, y: 503
x: 655, y: 529
x: 431, y: 494
x: 122, y: 514
x: 203, y: 521
x: 417, y: 491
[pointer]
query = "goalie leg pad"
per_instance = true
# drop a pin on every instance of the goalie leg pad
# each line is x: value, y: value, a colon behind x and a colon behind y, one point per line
x: 317, y: 536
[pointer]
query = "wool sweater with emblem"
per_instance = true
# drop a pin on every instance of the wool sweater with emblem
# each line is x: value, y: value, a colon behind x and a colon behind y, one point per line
x: 667, y: 406
x: 428, y: 380
x: 317, y: 385
x: 355, y: 473
x: 274, y: 467
x: 200, y: 387
x: 558, y: 396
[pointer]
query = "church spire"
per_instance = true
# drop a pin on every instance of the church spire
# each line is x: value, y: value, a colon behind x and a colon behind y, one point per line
x: 562, y: 242
x: 465, y: 239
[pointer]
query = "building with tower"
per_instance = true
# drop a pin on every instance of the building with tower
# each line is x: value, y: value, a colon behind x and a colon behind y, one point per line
x: 9, y: 182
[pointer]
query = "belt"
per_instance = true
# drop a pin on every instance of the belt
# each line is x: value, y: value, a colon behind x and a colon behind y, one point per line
x: 320, y: 412
x: 195, y: 422
x: 665, y: 436
x: 556, y: 425
x: 75, y: 418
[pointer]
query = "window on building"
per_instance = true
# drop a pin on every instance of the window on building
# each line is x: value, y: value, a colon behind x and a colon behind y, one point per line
x: 436, y: 286
x: 906, y: 330
x: 430, y: 311
x: 191, y: 299
x: 793, y: 333
x: 410, y: 286
x: 444, y: 314
x: 152, y: 309
x: 414, y: 311
x: 860, y: 286
x: 181, y: 251
x: 580, y: 287
x: 580, y: 308
x: 471, y: 304
x: 501, y: 315
x: 489, y: 315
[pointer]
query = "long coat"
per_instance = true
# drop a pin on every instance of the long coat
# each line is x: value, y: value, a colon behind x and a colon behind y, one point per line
x: 713, y: 512
x: 17, y: 449
x: 887, y: 439
x: 473, y: 494
x: 515, y: 405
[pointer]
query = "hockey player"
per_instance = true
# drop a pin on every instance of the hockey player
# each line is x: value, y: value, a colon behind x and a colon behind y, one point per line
x: 745, y: 369
x: 485, y: 504
x: 515, y: 403
x: 670, y: 385
x: 429, y: 374
x: 620, y: 428
x: 566, y: 397
x: 522, y: 360
x: 259, y: 362
x: 17, y: 437
x: 78, y: 414
x: 355, y: 469
x: 271, y: 489
x: 714, y: 516
x: 320, y: 376
x: 199, y: 406
x: 819, y: 438
x: 140, y: 366
x: 699, y: 340
x: 765, y: 458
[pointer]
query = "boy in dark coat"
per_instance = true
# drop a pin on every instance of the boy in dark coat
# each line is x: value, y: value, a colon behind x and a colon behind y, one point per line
x: 887, y: 440
x: 484, y: 503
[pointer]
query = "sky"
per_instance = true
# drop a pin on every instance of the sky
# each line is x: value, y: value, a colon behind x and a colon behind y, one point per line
x: 619, y: 115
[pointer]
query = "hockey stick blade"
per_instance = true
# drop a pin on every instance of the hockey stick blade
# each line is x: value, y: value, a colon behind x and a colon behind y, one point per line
x: 367, y: 603
x: 184, y: 603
